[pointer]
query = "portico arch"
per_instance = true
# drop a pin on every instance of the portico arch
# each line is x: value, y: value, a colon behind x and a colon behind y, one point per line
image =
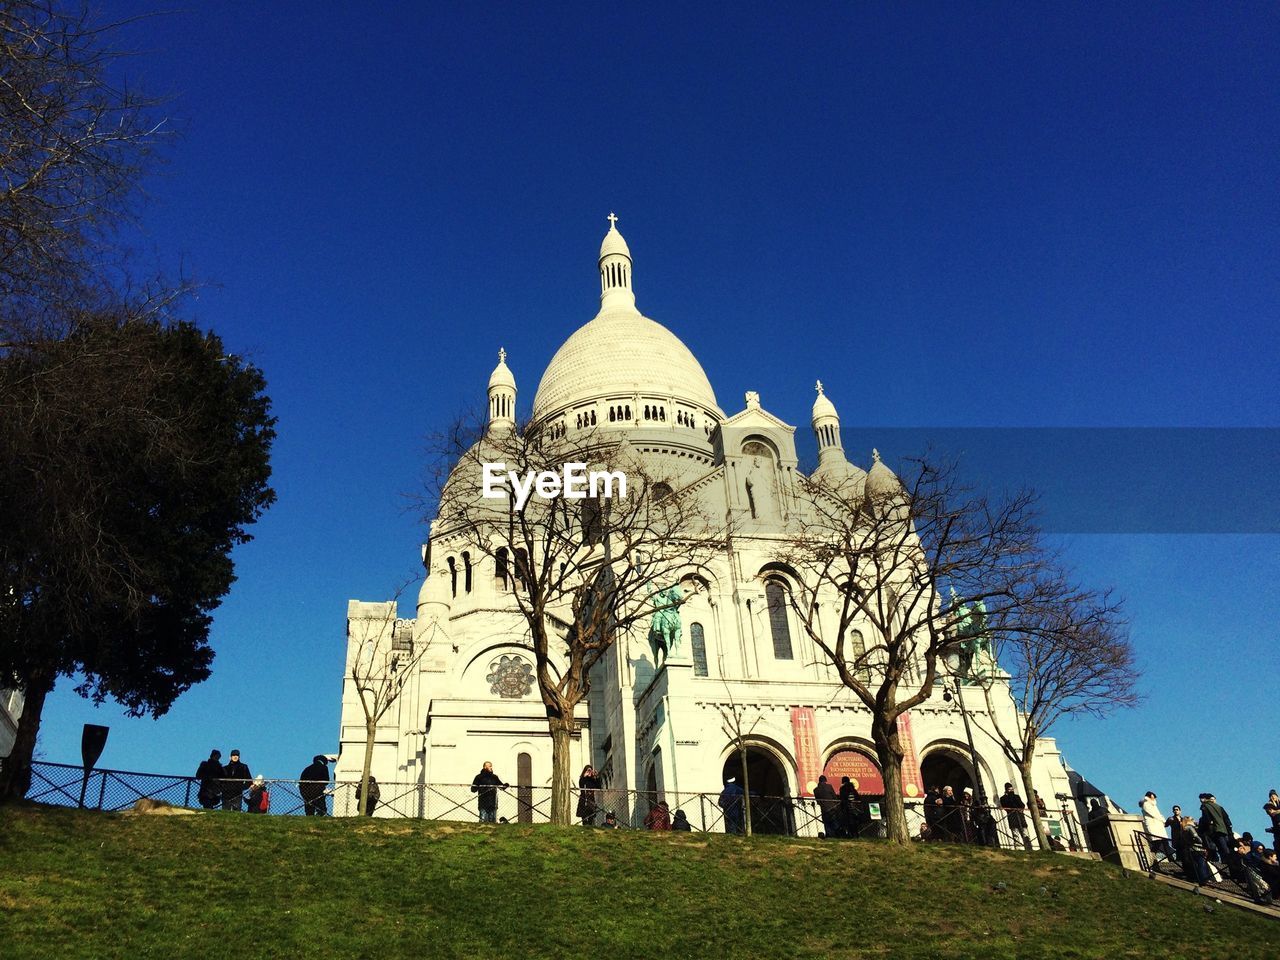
x: 770, y: 775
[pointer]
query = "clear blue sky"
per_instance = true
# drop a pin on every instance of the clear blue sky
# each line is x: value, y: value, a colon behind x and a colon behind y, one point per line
x: 955, y: 215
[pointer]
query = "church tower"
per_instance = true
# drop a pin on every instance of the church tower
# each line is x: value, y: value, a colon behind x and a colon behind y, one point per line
x: 826, y: 427
x: 502, y: 396
x: 615, y: 271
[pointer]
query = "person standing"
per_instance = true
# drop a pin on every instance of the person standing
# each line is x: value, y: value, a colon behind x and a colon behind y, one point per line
x: 1217, y: 827
x: 589, y: 786
x: 371, y: 804
x: 210, y: 774
x: 851, y: 808
x: 485, y: 785
x: 312, y: 783
x: 659, y: 817
x: 1191, y: 853
x: 829, y: 806
x: 235, y: 781
x: 1015, y: 817
x: 1272, y: 809
x: 1174, y: 823
x: 259, y: 796
x: 731, y: 803
x: 1153, y: 824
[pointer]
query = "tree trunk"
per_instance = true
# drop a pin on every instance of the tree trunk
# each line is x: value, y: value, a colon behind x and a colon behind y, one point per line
x: 746, y: 791
x: 561, y: 771
x: 1029, y: 794
x: 370, y: 734
x: 15, y: 769
x: 889, y: 753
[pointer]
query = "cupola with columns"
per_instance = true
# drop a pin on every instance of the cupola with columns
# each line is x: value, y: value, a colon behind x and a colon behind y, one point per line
x: 502, y: 395
x: 615, y: 270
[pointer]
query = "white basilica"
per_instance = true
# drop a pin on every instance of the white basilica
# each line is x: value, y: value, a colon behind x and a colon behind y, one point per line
x: 471, y: 698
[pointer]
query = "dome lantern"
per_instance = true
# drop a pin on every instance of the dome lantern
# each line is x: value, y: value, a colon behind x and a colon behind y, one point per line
x: 502, y: 395
x: 615, y: 270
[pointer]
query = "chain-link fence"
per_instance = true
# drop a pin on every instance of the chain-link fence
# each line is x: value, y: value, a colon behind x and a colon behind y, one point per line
x: 115, y: 790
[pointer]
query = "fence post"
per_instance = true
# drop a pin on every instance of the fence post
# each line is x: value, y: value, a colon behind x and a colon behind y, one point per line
x: 186, y: 802
x: 102, y: 794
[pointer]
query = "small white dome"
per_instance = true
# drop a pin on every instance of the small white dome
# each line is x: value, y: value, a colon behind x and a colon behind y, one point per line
x: 881, y: 481
x: 502, y: 375
x: 614, y: 243
x: 822, y: 406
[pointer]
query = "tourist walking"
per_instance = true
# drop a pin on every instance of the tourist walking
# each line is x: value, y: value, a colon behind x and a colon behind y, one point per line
x: 209, y: 773
x: 589, y: 787
x: 235, y: 781
x: 375, y: 794
x: 485, y: 786
x: 828, y: 806
x: 1216, y: 825
x: 1015, y: 817
x: 312, y: 783
x: 259, y: 796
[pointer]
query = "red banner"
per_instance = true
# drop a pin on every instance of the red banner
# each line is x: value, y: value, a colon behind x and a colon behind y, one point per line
x: 808, y: 756
x: 911, y: 779
x: 861, y: 770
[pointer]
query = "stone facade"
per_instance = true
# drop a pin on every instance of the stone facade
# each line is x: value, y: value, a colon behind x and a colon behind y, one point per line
x: 471, y: 698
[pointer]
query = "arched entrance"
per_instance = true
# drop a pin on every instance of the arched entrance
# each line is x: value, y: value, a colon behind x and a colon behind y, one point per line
x: 770, y: 789
x: 942, y: 768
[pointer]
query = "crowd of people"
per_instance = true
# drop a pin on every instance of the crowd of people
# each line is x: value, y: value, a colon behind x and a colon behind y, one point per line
x: 1208, y: 849
x: 231, y: 786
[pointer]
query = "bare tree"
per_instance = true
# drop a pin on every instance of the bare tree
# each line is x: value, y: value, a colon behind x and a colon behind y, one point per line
x: 1065, y: 654
x: 581, y: 571
x: 74, y: 141
x: 733, y: 722
x: 382, y: 653
x: 872, y: 558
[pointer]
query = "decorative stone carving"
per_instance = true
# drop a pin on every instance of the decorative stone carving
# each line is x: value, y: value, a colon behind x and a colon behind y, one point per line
x: 510, y: 677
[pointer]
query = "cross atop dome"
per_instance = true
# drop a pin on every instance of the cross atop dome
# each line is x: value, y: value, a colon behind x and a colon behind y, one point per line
x: 613, y: 220
x: 502, y: 355
x: 819, y: 388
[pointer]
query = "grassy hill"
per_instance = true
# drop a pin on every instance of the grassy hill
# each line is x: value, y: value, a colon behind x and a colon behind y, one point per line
x: 80, y: 884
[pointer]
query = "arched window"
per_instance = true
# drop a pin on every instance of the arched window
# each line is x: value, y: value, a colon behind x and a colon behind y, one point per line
x: 775, y: 592
x: 646, y: 411
x: 466, y: 571
x: 500, y: 567
x: 453, y: 575
x: 699, y: 643
x: 522, y: 568
x: 593, y: 418
x: 628, y: 410
x: 662, y: 414
x: 659, y: 491
x: 613, y: 415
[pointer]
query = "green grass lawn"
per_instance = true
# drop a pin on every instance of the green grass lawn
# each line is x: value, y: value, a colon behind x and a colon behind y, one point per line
x: 83, y: 884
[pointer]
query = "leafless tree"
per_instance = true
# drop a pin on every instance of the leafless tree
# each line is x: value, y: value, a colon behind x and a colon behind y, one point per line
x: 872, y: 560
x: 382, y: 654
x: 1064, y: 654
x: 733, y: 720
x: 581, y: 573
x: 74, y: 141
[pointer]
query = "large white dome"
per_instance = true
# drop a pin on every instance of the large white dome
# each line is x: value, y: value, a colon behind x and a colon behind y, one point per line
x: 622, y: 352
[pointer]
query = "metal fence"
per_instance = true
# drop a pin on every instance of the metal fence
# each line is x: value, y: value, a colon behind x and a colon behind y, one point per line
x: 117, y: 790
